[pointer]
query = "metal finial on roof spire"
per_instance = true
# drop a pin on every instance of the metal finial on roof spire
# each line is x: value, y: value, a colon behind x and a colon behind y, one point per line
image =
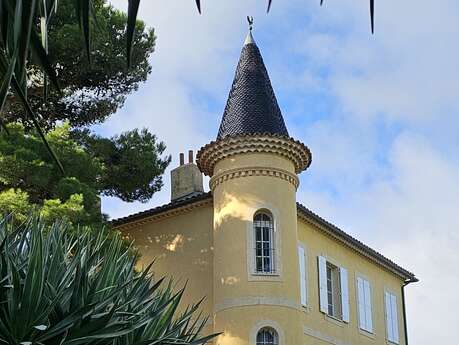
x: 249, y: 39
x: 250, y: 20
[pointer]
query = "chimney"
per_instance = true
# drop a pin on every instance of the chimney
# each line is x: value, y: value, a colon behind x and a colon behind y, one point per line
x: 186, y: 179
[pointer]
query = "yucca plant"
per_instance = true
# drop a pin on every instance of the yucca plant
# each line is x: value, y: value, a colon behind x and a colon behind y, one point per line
x: 76, y: 287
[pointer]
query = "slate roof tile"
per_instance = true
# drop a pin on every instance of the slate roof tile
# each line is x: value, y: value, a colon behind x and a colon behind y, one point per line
x: 252, y: 106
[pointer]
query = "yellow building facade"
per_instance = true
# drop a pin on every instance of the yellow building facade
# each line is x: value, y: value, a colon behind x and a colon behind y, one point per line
x: 272, y: 271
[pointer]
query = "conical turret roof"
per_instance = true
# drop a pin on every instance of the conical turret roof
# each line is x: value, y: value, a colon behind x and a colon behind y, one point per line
x: 252, y: 106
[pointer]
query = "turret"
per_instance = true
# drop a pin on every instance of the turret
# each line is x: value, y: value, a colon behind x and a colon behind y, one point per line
x: 253, y: 166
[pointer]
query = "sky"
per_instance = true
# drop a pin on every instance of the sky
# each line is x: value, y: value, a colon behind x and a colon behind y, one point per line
x: 379, y: 113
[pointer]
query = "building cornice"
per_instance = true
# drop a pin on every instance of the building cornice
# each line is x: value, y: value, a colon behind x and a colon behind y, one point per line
x: 172, y: 209
x: 294, y: 150
x: 357, y: 246
x: 304, y: 214
x: 254, y: 171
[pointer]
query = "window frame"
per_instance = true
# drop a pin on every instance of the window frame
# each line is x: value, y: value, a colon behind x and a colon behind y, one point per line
x: 342, y: 296
x: 271, y: 257
x: 266, y: 323
x: 334, y: 290
x: 274, y: 333
x: 252, y: 274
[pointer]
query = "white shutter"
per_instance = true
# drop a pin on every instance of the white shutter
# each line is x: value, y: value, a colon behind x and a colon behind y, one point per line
x: 393, y: 302
x: 302, y: 259
x: 344, y: 294
x: 368, y: 306
x: 322, y: 263
x: 389, y: 322
x: 361, y: 302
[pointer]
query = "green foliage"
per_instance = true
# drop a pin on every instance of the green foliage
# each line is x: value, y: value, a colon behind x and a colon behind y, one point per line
x: 132, y: 163
x: 24, y: 38
x: 17, y: 203
x: 70, y: 288
x: 89, y: 92
x: 128, y: 166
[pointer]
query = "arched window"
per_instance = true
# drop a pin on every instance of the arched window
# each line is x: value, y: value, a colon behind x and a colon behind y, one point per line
x: 267, y: 336
x: 264, y: 242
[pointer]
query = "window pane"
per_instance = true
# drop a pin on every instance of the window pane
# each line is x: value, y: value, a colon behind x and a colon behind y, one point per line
x: 259, y: 264
x: 263, y: 242
x: 257, y: 233
x: 267, y: 264
x: 267, y: 336
x: 260, y: 337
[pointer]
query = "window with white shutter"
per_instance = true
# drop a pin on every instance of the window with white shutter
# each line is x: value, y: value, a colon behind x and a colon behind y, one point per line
x: 323, y: 294
x: 391, y: 317
x: 303, y: 281
x: 364, y: 305
x: 344, y: 286
x: 333, y: 289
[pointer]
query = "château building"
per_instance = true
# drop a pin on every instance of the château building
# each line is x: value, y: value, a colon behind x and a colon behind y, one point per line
x: 273, y: 272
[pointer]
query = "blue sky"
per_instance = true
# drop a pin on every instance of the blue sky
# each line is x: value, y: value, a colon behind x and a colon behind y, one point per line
x: 380, y: 114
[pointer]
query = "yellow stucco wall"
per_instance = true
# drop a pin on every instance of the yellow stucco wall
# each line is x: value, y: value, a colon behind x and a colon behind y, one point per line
x: 239, y: 294
x: 211, y: 246
x: 182, y: 245
x: 182, y: 248
x: 316, y: 243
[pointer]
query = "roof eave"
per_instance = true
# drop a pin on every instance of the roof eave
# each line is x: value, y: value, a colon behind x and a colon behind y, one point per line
x: 359, y: 246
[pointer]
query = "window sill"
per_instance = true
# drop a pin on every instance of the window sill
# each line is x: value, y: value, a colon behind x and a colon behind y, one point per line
x: 265, y: 276
x: 368, y: 334
x: 274, y: 274
x: 392, y: 342
x: 335, y: 320
x: 305, y: 309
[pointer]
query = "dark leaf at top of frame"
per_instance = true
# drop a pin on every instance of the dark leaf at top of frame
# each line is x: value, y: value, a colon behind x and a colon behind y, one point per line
x: 372, y: 15
x: 372, y: 12
x: 33, y: 117
x: 43, y: 59
x: 133, y: 9
x: 82, y: 8
x: 198, y: 5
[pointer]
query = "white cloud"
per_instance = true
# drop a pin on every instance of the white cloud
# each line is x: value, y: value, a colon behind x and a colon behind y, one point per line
x: 385, y: 164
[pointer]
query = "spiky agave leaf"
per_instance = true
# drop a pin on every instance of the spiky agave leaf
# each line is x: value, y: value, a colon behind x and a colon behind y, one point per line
x: 80, y: 287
